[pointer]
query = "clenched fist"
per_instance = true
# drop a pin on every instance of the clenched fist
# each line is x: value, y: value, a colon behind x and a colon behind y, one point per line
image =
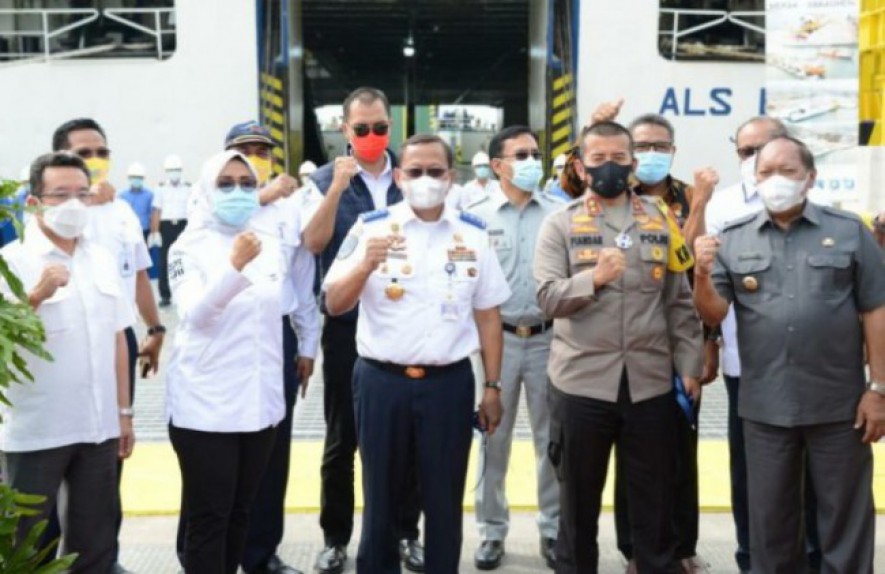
x: 705, y: 181
x: 281, y: 186
x: 705, y: 249
x: 54, y: 276
x: 606, y: 111
x: 609, y: 267
x: 376, y: 252
x: 246, y: 248
x: 346, y: 168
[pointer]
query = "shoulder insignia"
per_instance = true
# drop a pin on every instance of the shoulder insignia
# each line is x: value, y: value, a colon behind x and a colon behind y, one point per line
x: 740, y: 220
x: 473, y: 220
x: 374, y: 215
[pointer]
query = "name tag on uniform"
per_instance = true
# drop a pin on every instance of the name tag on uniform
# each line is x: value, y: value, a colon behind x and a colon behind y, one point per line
x: 127, y: 265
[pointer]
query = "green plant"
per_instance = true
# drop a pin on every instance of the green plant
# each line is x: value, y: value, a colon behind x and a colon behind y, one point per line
x: 20, y: 331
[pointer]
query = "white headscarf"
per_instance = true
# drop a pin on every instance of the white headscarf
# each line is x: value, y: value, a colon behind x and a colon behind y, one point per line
x: 200, y: 212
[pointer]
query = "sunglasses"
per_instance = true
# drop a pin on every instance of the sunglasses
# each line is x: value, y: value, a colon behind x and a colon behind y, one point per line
x: 86, y: 153
x: 434, y: 172
x: 378, y: 128
x: 523, y: 155
x: 747, y: 151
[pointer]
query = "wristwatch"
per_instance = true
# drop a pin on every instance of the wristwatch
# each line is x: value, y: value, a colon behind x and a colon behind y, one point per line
x: 493, y: 385
x: 156, y: 329
x: 126, y: 412
x: 876, y: 387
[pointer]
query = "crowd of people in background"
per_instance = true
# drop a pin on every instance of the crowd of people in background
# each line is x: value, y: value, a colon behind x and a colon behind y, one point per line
x: 608, y: 296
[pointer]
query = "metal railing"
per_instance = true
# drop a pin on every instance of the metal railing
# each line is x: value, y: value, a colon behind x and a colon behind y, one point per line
x: 83, y: 17
x: 718, y: 17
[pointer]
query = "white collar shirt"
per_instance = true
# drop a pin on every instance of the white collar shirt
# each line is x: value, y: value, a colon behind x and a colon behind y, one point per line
x: 171, y: 200
x: 447, y: 270
x: 378, y: 185
x: 473, y: 191
x: 226, y: 366
x: 115, y: 227
x: 73, y: 398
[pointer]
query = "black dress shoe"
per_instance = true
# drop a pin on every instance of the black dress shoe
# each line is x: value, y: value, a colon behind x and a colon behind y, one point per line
x: 331, y: 560
x: 489, y: 554
x: 548, y: 552
x: 276, y: 566
x: 412, y: 555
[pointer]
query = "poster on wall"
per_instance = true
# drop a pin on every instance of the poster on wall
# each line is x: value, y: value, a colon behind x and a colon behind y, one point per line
x: 812, y: 85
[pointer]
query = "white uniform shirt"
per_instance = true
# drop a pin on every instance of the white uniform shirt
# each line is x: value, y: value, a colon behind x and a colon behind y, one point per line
x: 283, y: 219
x: 115, y: 227
x: 172, y: 200
x: 473, y: 191
x: 379, y: 185
x: 73, y: 398
x: 433, y: 323
x: 725, y: 206
x: 226, y: 367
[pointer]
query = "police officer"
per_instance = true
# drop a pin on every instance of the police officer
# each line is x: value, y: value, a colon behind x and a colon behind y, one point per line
x: 429, y: 288
x: 610, y: 270
x: 799, y: 276
x: 514, y: 216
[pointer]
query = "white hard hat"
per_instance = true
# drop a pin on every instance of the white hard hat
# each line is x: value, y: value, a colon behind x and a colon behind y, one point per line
x: 25, y: 174
x: 480, y: 158
x: 172, y: 162
x: 307, y: 168
x: 135, y: 170
x: 559, y: 161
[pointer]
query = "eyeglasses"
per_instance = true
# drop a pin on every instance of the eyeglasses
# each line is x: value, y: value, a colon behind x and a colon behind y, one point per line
x: 524, y: 154
x: 434, y: 172
x: 227, y: 185
x: 62, y: 196
x: 662, y: 146
x: 378, y: 128
x: 747, y: 151
x: 86, y: 153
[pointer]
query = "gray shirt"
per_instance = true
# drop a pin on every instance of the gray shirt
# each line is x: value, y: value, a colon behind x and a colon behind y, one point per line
x: 513, y: 233
x: 797, y: 297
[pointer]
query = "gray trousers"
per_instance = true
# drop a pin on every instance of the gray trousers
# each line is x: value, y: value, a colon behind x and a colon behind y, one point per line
x: 86, y: 475
x: 524, y: 366
x: 841, y: 470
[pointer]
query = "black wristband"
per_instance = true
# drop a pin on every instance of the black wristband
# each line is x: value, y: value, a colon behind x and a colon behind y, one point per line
x: 156, y: 329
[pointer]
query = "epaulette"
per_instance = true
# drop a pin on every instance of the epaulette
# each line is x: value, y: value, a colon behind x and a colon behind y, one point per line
x: 841, y: 213
x: 374, y: 215
x: 473, y: 220
x: 740, y: 221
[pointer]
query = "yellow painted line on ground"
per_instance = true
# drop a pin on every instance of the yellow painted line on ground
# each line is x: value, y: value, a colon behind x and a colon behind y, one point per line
x: 152, y: 483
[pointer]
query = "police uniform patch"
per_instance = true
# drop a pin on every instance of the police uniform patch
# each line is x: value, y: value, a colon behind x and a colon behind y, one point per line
x: 348, y: 246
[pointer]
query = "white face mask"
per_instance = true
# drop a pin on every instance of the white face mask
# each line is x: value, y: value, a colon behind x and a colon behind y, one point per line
x: 68, y: 219
x: 748, y: 172
x: 425, y: 192
x: 174, y: 175
x: 779, y: 193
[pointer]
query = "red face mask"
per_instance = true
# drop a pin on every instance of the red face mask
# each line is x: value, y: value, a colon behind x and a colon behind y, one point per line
x: 370, y: 147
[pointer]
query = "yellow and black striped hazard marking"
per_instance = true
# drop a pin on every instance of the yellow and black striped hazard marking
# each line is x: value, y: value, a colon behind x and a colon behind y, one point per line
x: 273, y: 117
x: 562, y: 104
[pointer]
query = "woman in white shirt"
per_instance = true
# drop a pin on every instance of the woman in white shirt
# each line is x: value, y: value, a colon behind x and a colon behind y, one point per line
x: 224, y: 388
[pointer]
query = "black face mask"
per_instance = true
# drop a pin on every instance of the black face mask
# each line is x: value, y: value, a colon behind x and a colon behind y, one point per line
x: 609, y: 179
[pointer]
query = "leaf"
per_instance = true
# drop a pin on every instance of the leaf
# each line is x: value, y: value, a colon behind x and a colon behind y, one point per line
x: 15, y: 284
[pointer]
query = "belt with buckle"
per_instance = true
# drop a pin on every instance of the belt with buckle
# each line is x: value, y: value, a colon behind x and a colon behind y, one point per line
x: 415, y: 371
x: 526, y: 331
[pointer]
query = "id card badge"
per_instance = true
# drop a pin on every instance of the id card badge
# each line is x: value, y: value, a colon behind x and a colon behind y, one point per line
x: 126, y: 262
x: 449, y: 310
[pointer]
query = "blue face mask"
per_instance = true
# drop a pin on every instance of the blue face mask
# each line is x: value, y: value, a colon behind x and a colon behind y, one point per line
x: 136, y: 182
x: 236, y: 206
x: 482, y: 171
x: 653, y: 166
x: 527, y: 174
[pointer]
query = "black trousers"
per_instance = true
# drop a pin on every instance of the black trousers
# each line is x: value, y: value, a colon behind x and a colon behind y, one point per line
x: 336, y: 472
x: 401, y: 422
x: 686, y: 509
x: 740, y: 503
x: 169, y: 232
x: 269, y: 509
x: 582, y: 433
x: 220, y: 473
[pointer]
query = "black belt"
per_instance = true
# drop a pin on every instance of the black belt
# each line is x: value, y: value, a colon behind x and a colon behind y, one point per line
x: 415, y: 371
x: 526, y: 331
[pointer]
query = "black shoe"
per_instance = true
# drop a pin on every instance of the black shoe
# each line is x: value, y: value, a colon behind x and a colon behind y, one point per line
x: 276, y: 566
x: 331, y: 560
x: 548, y: 552
x: 412, y: 555
x: 165, y: 302
x: 489, y: 554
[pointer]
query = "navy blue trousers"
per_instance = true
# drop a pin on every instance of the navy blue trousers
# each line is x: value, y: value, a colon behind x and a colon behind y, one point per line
x: 405, y: 424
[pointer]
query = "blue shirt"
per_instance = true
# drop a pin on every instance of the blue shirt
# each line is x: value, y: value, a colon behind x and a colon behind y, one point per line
x: 142, y: 202
x: 7, y: 229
